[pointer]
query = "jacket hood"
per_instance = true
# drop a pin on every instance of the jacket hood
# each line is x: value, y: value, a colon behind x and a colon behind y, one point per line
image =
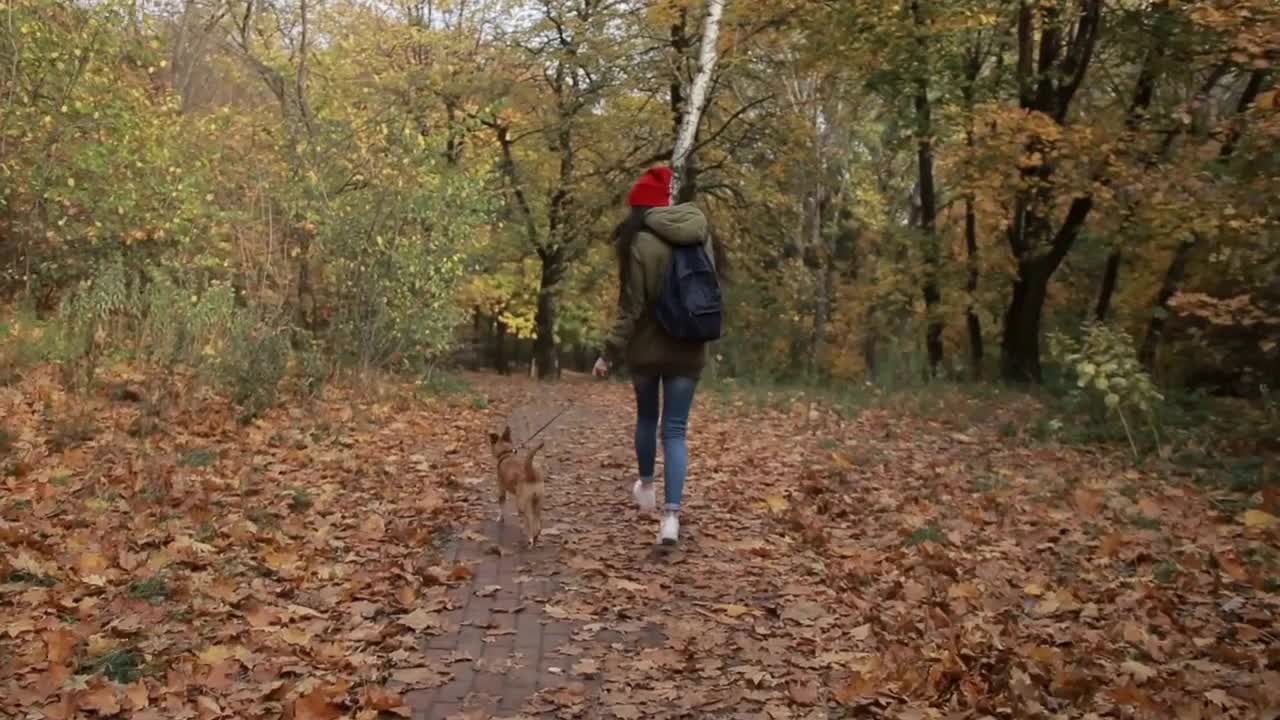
x: 682, y: 224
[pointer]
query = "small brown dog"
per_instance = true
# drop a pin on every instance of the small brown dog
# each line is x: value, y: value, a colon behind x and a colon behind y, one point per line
x: 522, y: 479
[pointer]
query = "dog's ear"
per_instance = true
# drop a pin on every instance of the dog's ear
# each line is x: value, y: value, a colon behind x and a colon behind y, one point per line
x: 506, y: 433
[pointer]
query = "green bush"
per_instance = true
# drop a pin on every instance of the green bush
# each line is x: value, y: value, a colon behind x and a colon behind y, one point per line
x: 251, y: 364
x: 1109, y: 379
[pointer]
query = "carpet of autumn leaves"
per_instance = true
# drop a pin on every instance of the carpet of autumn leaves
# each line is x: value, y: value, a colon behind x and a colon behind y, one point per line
x: 890, y: 564
x: 212, y: 570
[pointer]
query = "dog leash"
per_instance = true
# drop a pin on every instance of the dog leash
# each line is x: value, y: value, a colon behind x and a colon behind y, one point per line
x: 547, y: 424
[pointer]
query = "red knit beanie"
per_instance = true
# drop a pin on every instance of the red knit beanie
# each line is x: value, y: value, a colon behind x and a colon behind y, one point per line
x: 653, y: 189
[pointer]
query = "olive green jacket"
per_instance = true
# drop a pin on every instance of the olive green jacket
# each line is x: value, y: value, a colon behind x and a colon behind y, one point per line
x: 637, y: 339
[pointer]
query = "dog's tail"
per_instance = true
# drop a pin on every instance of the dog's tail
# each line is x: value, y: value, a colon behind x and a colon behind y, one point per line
x: 528, y: 460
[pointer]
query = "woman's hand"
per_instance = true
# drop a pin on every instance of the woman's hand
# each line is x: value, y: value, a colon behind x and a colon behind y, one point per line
x: 601, y: 369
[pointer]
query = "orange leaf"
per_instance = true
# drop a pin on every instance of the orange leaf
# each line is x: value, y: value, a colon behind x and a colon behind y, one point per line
x: 316, y: 705
x: 382, y: 699
x: 60, y: 644
x: 138, y: 696
x: 101, y: 700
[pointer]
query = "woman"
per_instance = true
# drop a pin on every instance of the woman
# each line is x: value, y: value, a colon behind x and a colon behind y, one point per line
x: 663, y: 368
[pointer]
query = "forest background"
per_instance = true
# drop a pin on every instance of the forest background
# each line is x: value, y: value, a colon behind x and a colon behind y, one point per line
x: 1071, y: 192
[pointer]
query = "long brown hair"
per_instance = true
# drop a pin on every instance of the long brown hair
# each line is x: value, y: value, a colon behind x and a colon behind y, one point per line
x: 624, y: 237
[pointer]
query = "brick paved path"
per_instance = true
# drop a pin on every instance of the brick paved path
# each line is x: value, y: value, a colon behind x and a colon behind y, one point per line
x: 567, y: 630
x: 498, y: 640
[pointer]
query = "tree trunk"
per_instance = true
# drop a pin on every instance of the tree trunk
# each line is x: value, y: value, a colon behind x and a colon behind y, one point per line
x: 500, y: 362
x: 1109, y: 277
x: 971, y: 287
x: 679, y: 48
x: 546, y: 356
x: 1160, y: 313
x: 305, y: 312
x: 818, y: 260
x: 1020, y: 346
x: 708, y: 54
x: 1047, y: 82
x: 973, y: 68
x: 928, y: 200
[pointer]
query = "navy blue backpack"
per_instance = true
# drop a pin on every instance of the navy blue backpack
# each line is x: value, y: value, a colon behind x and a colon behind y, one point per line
x: 688, y: 308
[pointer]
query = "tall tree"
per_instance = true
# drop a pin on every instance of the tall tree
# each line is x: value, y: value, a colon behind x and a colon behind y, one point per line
x: 708, y: 55
x: 1051, y: 71
x: 927, y: 191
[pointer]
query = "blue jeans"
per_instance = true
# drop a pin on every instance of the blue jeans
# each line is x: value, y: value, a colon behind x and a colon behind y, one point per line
x: 677, y: 401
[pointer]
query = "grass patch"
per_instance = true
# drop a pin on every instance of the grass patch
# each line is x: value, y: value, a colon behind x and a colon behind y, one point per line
x: 442, y: 384
x: 72, y: 431
x: 122, y: 666
x: 25, y: 578
x: 1166, y: 572
x: 989, y: 484
x: 300, y: 500
x: 198, y: 458
x: 206, y: 533
x: 120, y: 392
x: 1271, y: 584
x: 152, y: 589
x: 1245, y: 475
x: 929, y: 533
x: 1142, y: 521
x: 261, y: 517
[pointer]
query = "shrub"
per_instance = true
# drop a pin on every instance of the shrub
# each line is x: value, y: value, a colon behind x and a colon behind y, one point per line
x: 251, y: 364
x: 1109, y: 378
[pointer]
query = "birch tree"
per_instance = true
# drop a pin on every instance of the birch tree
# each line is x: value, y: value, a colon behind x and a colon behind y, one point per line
x: 708, y: 54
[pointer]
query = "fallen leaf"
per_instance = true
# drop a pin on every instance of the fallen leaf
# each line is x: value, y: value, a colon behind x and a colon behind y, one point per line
x: 101, y: 700
x: 296, y: 636
x: 421, y: 677
x: 628, y: 585
x: 420, y: 620
x: 777, y: 503
x: 382, y: 699
x: 488, y: 591
x: 1044, y: 654
x: 805, y: 693
x: 316, y: 705
x: 853, y: 689
x: 215, y: 654
x: 1220, y: 698
x: 209, y: 707
x: 59, y: 645
x: 624, y: 712
x: 1140, y: 672
x: 261, y: 616
x: 406, y: 596
x: 734, y: 611
x: 373, y: 527
x: 803, y: 612
x: 1260, y: 519
x: 585, y: 668
x: 138, y: 696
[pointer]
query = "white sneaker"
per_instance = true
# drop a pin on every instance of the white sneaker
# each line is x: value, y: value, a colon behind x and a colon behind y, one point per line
x: 670, y: 532
x: 646, y: 496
